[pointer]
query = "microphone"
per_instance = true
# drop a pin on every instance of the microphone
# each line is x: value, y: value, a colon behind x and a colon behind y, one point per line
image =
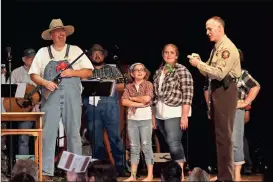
x: 115, y: 57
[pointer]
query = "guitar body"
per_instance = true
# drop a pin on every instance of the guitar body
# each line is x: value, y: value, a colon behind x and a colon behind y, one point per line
x: 22, y: 104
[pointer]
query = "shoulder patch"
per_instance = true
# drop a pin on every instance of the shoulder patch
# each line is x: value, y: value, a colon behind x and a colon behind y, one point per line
x: 225, y: 54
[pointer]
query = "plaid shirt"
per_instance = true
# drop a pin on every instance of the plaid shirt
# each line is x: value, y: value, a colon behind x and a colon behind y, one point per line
x: 108, y: 72
x: 245, y: 83
x: 145, y: 89
x: 177, y: 87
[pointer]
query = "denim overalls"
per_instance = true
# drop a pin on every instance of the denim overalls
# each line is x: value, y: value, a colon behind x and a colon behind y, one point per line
x: 107, y: 115
x: 65, y: 102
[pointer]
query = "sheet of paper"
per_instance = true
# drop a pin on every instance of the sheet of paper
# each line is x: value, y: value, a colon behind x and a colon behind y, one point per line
x: 73, y: 162
x: 91, y: 100
x: 21, y: 89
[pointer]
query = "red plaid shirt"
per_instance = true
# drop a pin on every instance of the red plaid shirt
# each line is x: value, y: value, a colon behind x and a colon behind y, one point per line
x: 145, y: 89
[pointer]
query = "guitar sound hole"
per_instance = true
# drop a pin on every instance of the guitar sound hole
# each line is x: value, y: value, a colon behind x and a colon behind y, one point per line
x: 26, y: 104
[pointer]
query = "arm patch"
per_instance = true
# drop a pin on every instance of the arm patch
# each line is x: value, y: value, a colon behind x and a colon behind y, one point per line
x: 225, y: 54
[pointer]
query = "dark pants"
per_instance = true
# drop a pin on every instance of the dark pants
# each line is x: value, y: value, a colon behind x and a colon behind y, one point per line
x: 223, y: 103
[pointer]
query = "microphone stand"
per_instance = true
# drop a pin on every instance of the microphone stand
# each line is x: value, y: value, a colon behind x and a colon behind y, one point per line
x: 10, y: 110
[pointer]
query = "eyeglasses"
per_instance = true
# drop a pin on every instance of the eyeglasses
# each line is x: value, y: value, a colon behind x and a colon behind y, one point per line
x: 139, y: 70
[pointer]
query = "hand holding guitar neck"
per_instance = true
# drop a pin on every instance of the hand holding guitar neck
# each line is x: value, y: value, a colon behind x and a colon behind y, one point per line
x: 32, y: 94
x: 52, y: 85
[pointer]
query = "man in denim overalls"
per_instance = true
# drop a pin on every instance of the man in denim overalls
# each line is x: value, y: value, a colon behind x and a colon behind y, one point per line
x: 64, y: 100
x: 107, y: 112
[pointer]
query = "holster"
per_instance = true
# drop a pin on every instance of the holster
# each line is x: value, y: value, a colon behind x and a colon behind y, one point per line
x: 223, y: 83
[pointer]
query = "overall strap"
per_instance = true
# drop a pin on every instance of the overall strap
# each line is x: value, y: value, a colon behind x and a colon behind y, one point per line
x: 50, y: 52
x: 67, y: 51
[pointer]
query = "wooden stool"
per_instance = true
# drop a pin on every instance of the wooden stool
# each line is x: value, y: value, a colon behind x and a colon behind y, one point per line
x: 36, y: 132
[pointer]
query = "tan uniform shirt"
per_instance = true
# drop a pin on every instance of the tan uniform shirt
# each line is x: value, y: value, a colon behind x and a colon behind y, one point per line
x: 225, y: 60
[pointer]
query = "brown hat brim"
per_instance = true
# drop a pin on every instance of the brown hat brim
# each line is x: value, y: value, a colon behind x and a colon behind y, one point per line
x: 69, y: 31
x: 105, y: 52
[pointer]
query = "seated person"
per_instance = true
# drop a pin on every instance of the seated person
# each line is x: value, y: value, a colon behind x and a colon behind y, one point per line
x: 28, y: 166
x: 101, y: 170
x: 23, y: 177
x: 198, y: 174
x: 172, y: 172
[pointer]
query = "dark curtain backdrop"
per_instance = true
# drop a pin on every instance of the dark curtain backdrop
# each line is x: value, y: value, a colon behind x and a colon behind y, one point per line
x: 140, y: 30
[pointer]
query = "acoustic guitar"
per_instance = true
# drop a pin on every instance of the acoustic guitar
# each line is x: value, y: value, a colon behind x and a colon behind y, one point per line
x: 31, y: 98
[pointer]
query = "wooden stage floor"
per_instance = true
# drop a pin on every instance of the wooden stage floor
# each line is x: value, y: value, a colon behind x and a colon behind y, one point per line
x: 254, y: 177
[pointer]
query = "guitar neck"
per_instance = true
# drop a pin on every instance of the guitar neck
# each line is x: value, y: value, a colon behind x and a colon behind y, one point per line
x: 27, y: 96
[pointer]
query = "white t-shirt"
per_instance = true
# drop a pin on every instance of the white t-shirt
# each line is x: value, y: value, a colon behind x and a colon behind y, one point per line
x: 164, y: 111
x: 42, y: 58
x: 141, y: 113
x: 20, y: 75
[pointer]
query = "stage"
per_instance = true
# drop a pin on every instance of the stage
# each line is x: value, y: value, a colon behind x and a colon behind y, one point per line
x: 254, y: 177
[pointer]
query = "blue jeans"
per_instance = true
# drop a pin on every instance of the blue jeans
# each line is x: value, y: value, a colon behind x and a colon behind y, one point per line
x: 238, y: 137
x: 107, y: 115
x: 170, y: 129
x: 23, y: 140
x: 141, y: 131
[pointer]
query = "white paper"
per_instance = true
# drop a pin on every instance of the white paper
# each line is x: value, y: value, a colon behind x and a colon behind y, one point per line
x: 91, y: 100
x: 21, y: 89
x: 73, y: 162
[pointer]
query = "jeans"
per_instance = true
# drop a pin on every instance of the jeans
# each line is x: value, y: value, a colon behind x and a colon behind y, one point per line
x: 23, y: 140
x: 170, y: 128
x: 238, y: 137
x: 141, y: 131
x: 107, y: 115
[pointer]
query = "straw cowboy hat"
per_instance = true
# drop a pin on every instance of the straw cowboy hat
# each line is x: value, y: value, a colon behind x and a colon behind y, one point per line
x: 97, y: 47
x: 55, y: 24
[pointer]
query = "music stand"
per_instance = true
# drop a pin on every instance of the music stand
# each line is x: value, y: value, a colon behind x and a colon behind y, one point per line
x: 9, y: 91
x: 93, y: 88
